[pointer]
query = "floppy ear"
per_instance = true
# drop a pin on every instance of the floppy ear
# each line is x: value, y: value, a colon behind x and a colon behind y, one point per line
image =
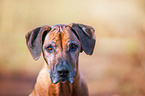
x: 86, y: 35
x: 34, y: 40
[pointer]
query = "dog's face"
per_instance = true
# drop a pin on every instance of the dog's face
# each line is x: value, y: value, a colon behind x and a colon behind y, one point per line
x: 61, y: 45
x: 61, y: 50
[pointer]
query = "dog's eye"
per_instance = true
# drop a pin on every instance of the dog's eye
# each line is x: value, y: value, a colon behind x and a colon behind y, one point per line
x: 49, y: 48
x: 73, y: 47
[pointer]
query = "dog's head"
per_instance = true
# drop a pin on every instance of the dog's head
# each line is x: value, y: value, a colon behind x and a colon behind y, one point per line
x: 61, y: 45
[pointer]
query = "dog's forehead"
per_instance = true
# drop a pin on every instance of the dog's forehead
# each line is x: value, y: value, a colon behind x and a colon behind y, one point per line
x: 59, y: 32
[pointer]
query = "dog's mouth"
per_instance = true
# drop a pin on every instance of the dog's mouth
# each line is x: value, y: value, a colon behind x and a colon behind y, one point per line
x: 55, y: 80
x: 62, y: 80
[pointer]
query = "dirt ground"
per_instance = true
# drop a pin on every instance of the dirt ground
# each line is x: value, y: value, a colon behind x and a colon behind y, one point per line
x: 16, y: 84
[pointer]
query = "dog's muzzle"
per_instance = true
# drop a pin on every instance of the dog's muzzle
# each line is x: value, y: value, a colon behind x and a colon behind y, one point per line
x: 62, y: 74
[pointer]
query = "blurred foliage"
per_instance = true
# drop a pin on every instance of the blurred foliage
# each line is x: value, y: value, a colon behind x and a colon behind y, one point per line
x: 118, y: 64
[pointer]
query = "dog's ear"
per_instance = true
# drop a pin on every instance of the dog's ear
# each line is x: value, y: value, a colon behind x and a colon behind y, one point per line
x: 34, y: 40
x: 86, y: 36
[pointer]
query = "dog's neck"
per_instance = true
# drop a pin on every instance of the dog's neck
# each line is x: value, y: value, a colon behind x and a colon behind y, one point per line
x: 60, y: 89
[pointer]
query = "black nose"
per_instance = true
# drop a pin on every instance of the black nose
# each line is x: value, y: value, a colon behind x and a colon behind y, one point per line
x: 63, y: 73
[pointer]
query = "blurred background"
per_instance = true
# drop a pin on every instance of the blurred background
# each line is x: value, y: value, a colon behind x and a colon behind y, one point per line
x: 117, y: 67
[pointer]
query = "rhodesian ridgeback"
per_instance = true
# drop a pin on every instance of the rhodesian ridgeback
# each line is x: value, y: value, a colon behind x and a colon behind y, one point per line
x: 60, y: 45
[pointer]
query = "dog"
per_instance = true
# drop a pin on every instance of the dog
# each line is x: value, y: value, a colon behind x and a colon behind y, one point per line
x: 60, y: 45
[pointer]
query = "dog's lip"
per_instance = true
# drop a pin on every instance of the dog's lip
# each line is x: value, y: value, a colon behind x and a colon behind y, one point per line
x: 63, y: 80
x: 55, y: 80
